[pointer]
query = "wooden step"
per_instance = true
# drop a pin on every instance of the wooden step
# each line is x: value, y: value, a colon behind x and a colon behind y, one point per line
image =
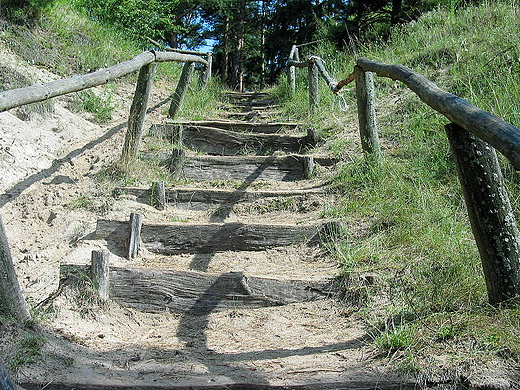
x: 197, y: 293
x: 249, y: 127
x: 215, y: 141
x: 245, y: 95
x: 203, y: 198
x: 248, y: 168
x: 177, y: 238
x: 239, y: 107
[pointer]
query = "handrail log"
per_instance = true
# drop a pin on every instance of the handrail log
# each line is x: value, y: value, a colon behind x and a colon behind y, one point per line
x: 321, y: 67
x: 39, y: 92
x: 500, y: 134
x: 163, y: 56
x: 299, y: 64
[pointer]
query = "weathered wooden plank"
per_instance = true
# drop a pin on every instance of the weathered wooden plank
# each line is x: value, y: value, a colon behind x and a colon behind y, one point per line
x: 215, y: 141
x: 492, y: 219
x: 248, y: 168
x: 245, y: 95
x: 500, y: 134
x: 201, y: 293
x: 249, y: 127
x: 203, y: 198
x: 213, y: 237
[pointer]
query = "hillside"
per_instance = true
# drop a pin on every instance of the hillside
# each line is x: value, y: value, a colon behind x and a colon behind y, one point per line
x: 412, y: 308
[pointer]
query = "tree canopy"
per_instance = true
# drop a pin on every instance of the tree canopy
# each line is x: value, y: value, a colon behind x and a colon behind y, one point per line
x: 251, y: 38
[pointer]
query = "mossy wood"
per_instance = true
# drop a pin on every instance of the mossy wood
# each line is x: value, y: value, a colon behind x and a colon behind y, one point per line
x: 492, y: 219
x: 203, y: 198
x: 12, y: 301
x: 213, y: 237
x: 500, y: 134
x: 250, y: 127
x: 39, y: 92
x: 215, y: 141
x: 247, y: 168
x: 134, y: 134
x: 157, y: 197
x: 196, y: 293
x: 366, y: 108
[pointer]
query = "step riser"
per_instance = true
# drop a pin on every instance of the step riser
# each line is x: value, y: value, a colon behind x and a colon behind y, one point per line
x: 192, y: 293
x: 184, y: 238
x: 203, y: 199
x: 221, y: 142
x: 269, y: 128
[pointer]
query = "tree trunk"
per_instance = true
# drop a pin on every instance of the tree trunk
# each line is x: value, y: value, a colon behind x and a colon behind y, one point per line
x: 238, y: 65
x: 225, y: 52
x: 262, y: 48
x: 12, y: 302
x: 395, y: 15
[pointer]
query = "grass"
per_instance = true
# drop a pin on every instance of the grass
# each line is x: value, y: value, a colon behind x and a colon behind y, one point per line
x: 431, y: 295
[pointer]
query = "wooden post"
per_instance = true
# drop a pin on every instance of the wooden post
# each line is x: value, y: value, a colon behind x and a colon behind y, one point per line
x: 176, y: 161
x: 367, y: 114
x: 292, y: 70
x: 490, y: 213
x: 308, y: 167
x: 5, y: 381
x: 12, y: 301
x: 177, y: 136
x: 100, y: 273
x: 158, y: 195
x: 138, y: 113
x: 312, y: 137
x: 134, y: 238
x: 180, y: 91
x: 313, y: 78
x: 206, y: 75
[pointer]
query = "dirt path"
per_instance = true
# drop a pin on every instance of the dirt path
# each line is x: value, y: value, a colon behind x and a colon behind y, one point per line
x: 227, y: 333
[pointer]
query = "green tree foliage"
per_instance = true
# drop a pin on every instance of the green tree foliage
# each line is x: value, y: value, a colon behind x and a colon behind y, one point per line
x: 22, y: 11
x: 175, y: 22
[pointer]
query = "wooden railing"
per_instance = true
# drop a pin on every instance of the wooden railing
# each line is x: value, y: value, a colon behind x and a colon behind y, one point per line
x: 472, y: 134
x: 144, y: 62
x: 315, y: 68
x: 12, y: 301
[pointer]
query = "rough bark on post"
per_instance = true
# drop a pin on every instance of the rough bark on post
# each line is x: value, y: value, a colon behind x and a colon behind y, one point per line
x: 138, y: 113
x: 158, y: 195
x: 308, y: 167
x: 490, y: 213
x: 313, y: 78
x: 180, y: 91
x: 100, y: 273
x: 134, y: 237
x: 367, y: 114
x: 176, y: 161
x: 292, y: 70
x: 206, y: 75
x: 12, y: 302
